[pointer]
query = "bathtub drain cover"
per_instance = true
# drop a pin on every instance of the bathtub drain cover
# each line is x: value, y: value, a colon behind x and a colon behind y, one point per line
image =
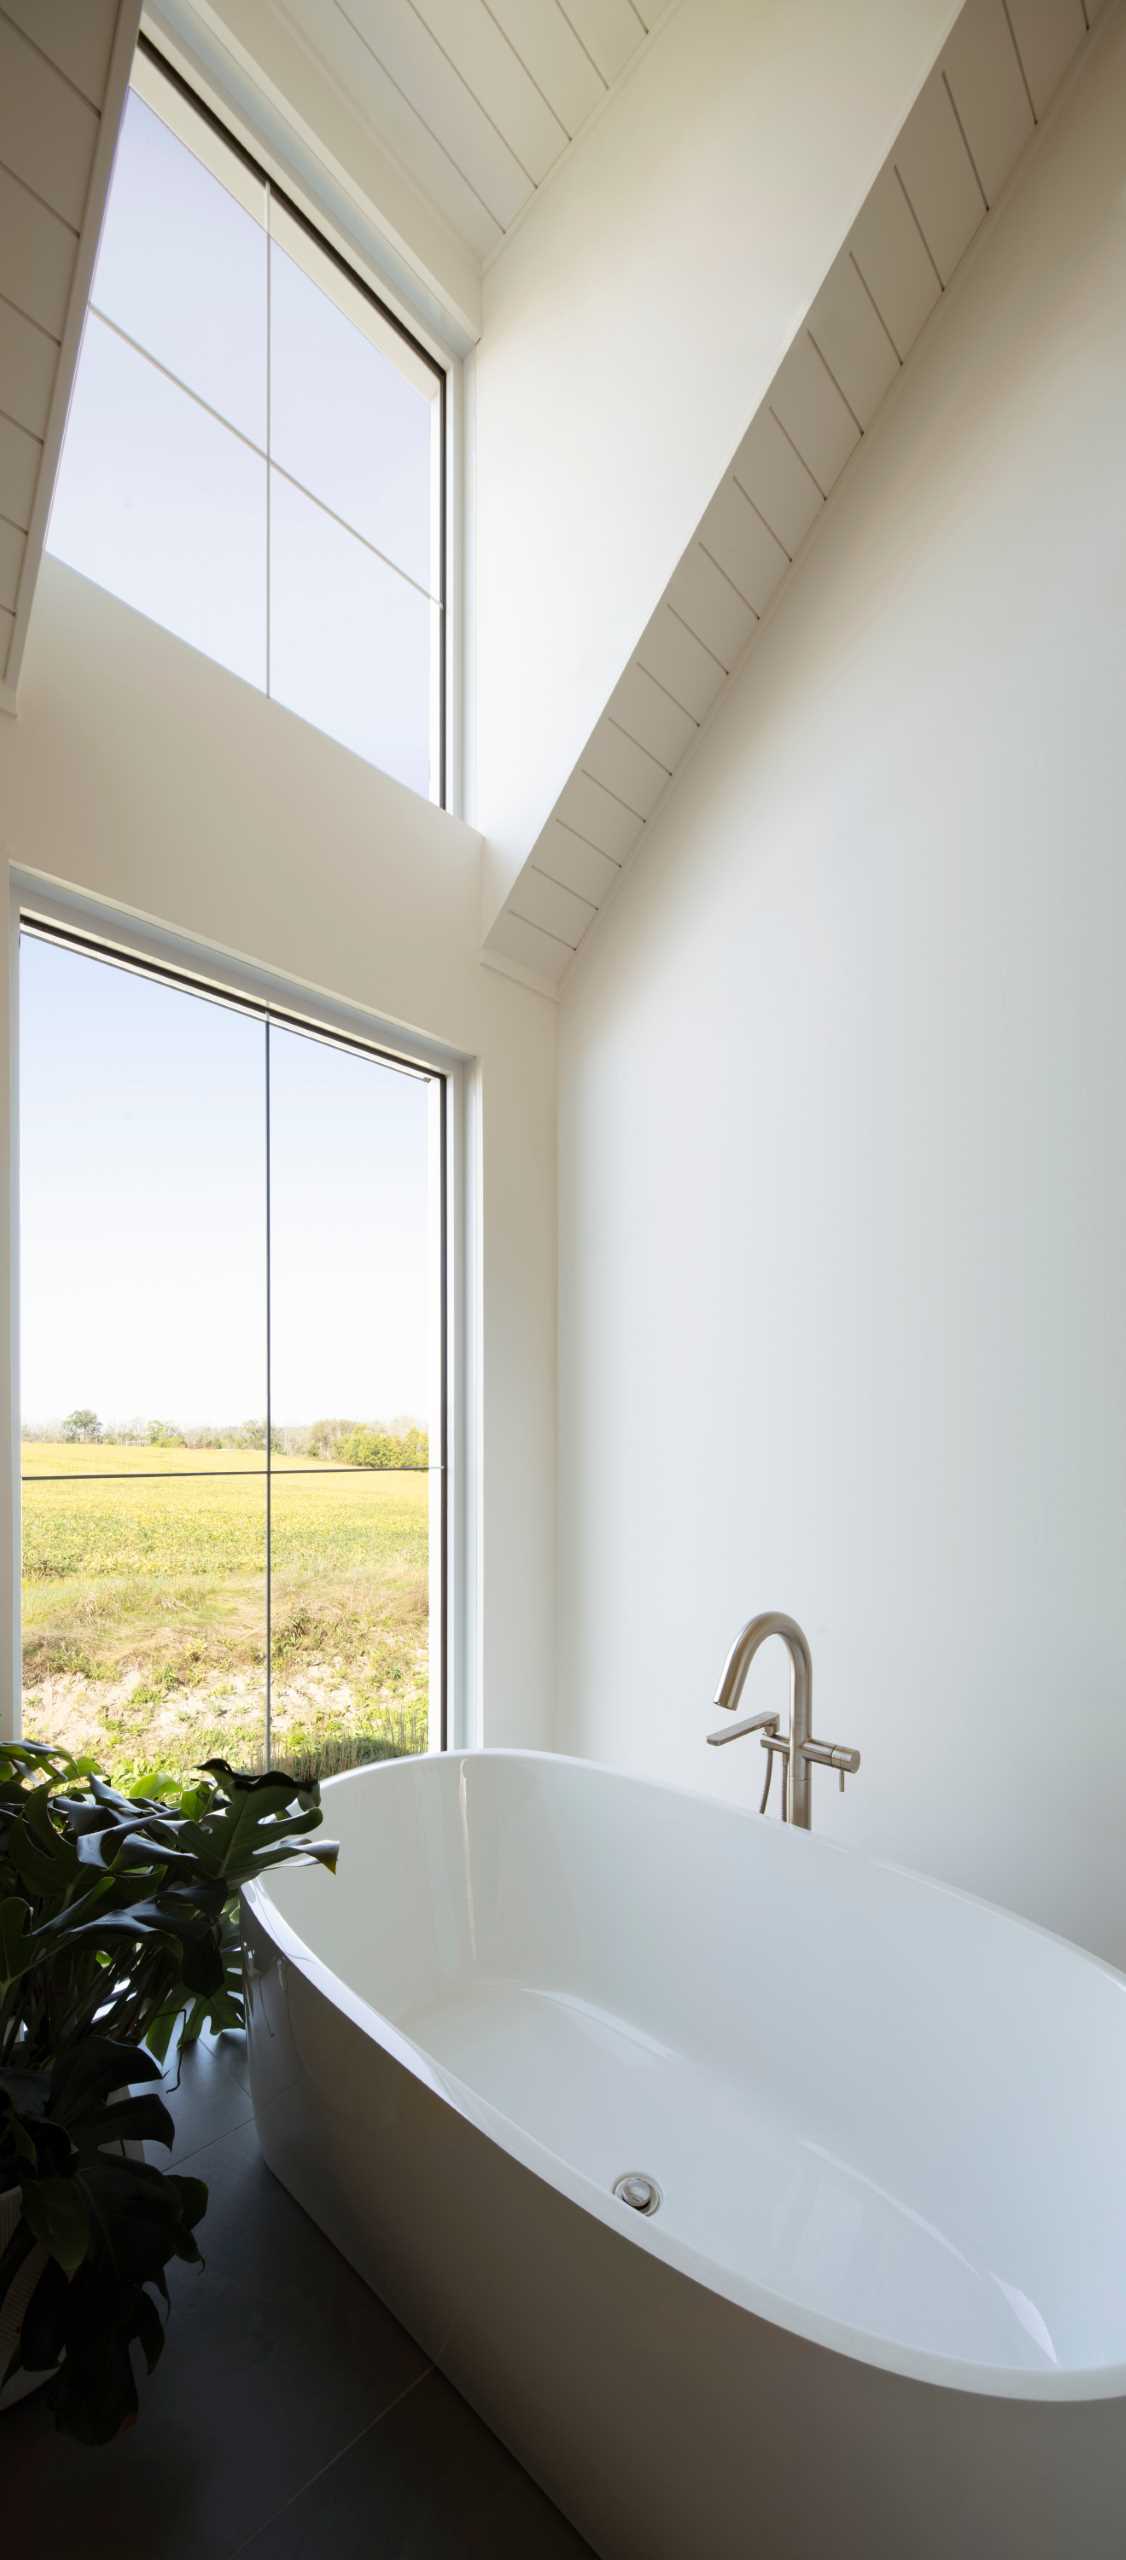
x: 640, y: 2192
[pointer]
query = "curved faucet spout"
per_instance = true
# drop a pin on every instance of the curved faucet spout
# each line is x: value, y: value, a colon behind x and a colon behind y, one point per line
x: 797, y: 1789
x: 770, y: 1622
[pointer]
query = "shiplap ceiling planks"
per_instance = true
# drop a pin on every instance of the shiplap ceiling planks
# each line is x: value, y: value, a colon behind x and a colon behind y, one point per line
x: 478, y: 99
x: 993, y: 83
x: 64, y: 66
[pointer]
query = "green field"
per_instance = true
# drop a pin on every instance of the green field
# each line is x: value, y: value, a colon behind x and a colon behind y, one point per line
x: 144, y: 1621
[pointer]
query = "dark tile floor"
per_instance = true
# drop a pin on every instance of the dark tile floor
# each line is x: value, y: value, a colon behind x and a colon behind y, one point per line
x: 290, y: 2418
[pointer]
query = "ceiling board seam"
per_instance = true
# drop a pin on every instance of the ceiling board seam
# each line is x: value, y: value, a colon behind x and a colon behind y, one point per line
x: 965, y: 139
x: 919, y: 228
x: 610, y: 89
x: 371, y: 241
x: 674, y: 698
x: 52, y: 65
x: 529, y: 74
x: 36, y: 198
x: 855, y: 263
x: 560, y: 938
x: 637, y: 14
x: 600, y: 785
x: 436, y: 138
x: 29, y: 432
x: 1020, y: 62
x: 31, y: 320
x: 726, y: 573
x: 634, y: 742
x: 842, y: 394
x: 795, y: 448
x: 479, y: 103
x: 568, y: 830
x: 765, y: 522
x: 583, y: 48
x: 769, y: 611
x: 592, y: 903
x: 11, y: 521
x: 689, y: 627
x: 520, y: 974
x: 623, y: 732
x: 1086, y: 15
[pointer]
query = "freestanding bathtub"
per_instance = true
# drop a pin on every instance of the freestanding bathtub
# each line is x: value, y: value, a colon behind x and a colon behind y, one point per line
x: 880, y: 2313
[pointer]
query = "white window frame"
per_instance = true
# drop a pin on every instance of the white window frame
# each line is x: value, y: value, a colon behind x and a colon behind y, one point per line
x: 73, y: 912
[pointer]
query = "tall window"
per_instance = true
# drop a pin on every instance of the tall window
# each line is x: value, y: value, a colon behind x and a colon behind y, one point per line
x: 232, y: 1378
x: 254, y: 450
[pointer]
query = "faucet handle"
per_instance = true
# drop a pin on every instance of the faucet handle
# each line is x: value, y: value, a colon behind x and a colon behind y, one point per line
x: 844, y: 1762
x: 833, y: 1755
x: 749, y: 1724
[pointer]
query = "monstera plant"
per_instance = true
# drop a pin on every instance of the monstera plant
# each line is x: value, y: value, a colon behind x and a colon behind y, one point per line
x: 118, y: 1923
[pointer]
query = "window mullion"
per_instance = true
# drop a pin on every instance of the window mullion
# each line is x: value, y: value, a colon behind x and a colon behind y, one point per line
x: 269, y: 398
x: 269, y: 1412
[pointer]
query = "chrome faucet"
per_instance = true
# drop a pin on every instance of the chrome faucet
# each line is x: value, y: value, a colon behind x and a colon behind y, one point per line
x: 797, y: 1749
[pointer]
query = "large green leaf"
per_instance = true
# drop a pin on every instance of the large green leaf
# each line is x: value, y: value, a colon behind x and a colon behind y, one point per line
x: 132, y: 2119
x: 123, y: 1909
x: 251, y: 1820
x: 87, y: 2076
x: 109, y: 2223
x: 57, y: 2210
x: 17, y: 1944
x: 39, y: 1851
x: 145, y: 1884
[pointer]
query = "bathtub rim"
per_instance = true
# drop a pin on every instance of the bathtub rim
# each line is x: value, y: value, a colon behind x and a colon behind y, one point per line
x: 1061, y: 2384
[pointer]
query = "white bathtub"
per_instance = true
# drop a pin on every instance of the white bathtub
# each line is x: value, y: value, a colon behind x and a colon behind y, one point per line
x: 882, y: 2309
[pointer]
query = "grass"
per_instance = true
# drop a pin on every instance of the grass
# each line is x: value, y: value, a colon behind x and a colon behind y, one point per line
x: 144, y: 1608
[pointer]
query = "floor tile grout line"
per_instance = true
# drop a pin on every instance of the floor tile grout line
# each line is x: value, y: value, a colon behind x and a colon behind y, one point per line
x: 277, y: 2512
x: 180, y: 2159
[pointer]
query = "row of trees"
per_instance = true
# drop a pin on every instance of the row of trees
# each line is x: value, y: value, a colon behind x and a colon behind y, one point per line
x: 341, y: 1442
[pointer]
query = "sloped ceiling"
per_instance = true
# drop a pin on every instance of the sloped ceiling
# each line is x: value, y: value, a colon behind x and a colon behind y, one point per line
x: 477, y: 102
x: 993, y: 83
x: 64, y: 67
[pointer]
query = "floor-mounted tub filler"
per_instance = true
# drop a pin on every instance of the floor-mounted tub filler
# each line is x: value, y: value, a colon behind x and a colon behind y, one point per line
x: 767, y: 2201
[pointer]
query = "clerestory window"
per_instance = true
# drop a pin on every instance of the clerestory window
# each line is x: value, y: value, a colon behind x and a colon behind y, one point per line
x: 254, y: 455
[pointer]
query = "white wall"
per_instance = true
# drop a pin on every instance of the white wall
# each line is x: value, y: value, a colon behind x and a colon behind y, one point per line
x: 843, y: 1188
x: 144, y: 775
x: 631, y: 326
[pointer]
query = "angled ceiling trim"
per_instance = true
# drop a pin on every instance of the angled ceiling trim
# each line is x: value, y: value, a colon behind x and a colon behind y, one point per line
x: 998, y: 74
x: 62, y: 89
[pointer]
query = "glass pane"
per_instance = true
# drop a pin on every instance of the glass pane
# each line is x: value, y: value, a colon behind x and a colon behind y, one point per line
x: 142, y: 1178
x: 182, y: 267
x: 346, y: 417
x: 349, y: 1216
x: 163, y: 506
x: 352, y: 1327
x: 144, y: 1620
x: 350, y: 1642
x: 351, y: 643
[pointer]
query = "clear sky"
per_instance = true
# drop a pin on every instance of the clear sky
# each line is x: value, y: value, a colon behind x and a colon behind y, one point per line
x: 143, y: 1210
